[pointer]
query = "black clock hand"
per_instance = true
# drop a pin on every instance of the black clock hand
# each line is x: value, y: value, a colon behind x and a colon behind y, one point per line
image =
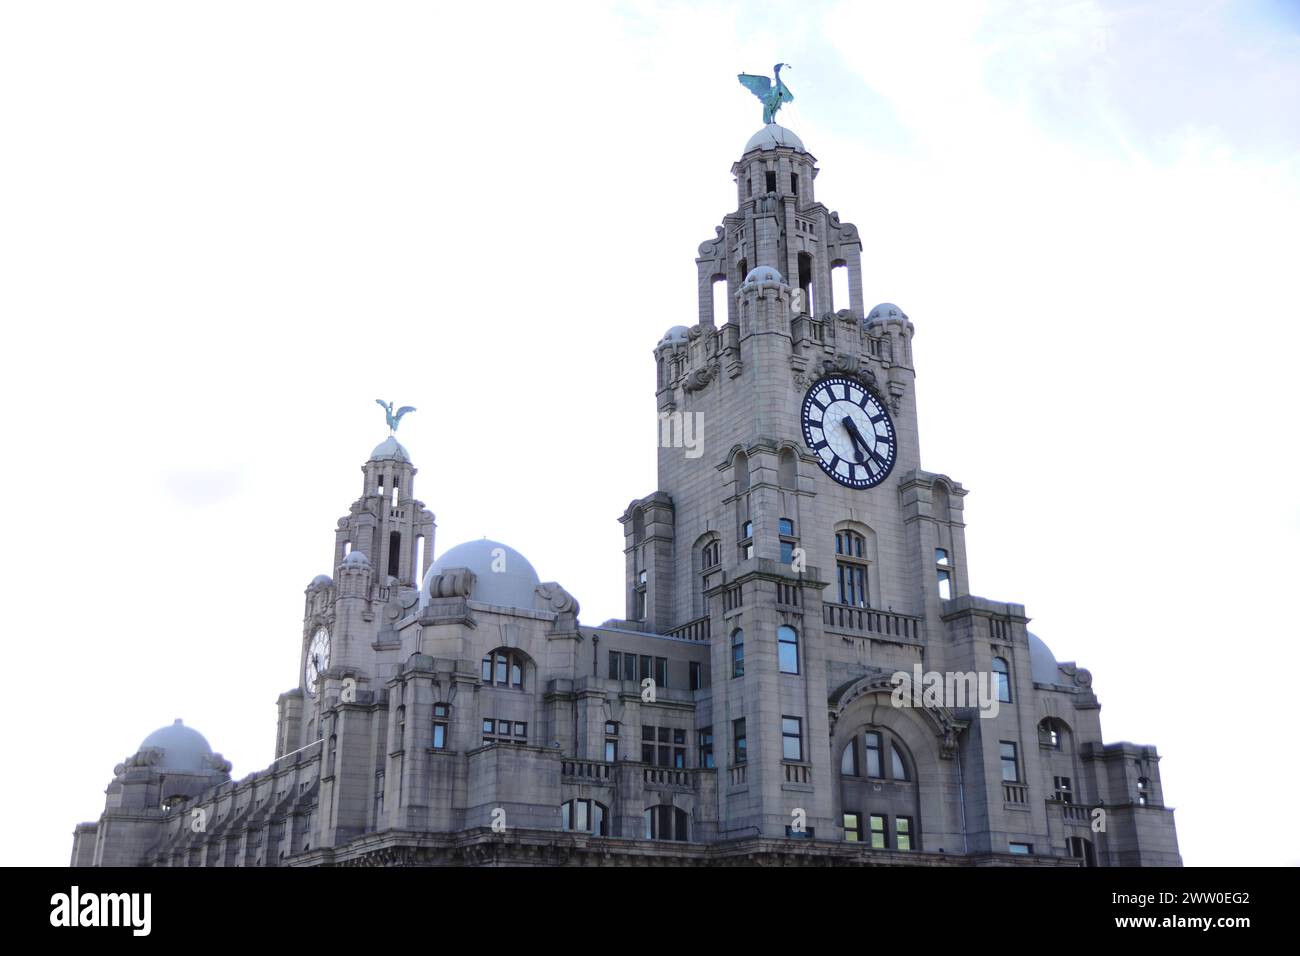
x: 851, y: 426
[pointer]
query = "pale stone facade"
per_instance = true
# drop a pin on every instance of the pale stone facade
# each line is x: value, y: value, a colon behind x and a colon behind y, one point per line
x: 465, y: 716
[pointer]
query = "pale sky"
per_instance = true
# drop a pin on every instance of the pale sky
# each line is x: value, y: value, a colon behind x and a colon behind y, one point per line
x: 225, y: 229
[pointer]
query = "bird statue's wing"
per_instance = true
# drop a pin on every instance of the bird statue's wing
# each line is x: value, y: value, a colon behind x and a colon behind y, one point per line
x: 786, y: 95
x: 404, y: 409
x: 381, y: 403
x: 760, y: 86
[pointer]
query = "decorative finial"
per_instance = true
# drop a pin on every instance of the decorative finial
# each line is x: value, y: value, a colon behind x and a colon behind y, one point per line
x: 772, y: 95
x: 393, y: 419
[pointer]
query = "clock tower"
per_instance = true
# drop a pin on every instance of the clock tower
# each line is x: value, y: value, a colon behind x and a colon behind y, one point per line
x: 803, y: 506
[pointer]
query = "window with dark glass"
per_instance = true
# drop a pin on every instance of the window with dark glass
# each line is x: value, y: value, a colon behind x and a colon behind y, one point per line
x: 785, y: 529
x: 503, y: 668
x: 440, y: 712
x: 791, y: 738
x: 787, y: 648
x: 1062, y: 790
x: 1010, y: 765
x: 611, y: 741
x: 853, y: 827
x: 639, y: 608
x: 696, y: 675
x: 903, y: 833
x: 661, y: 672
x: 738, y: 754
x: 1002, y: 674
x: 875, y: 767
x: 666, y: 822
x: 706, y: 747
x: 878, y: 838
x: 747, y: 541
x: 850, y: 569
x: 738, y: 653
x: 615, y: 665
x: 584, y: 816
x: 629, y: 667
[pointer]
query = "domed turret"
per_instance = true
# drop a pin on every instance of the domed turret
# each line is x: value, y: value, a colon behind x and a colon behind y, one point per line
x: 390, y: 449
x: 502, y: 575
x: 771, y: 136
x: 763, y: 274
x: 183, y: 748
x: 884, y: 312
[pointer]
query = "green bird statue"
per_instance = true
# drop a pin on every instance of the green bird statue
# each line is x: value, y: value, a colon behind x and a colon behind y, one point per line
x: 772, y: 95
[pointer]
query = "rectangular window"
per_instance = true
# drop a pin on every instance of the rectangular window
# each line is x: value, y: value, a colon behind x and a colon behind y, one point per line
x: 787, y: 552
x: 853, y: 827
x: 629, y: 667
x: 1022, y: 849
x: 945, y: 584
x: 1010, y: 765
x: 878, y: 840
x: 697, y: 675
x: 661, y: 672
x: 770, y: 180
x: 611, y: 750
x: 791, y: 738
x: 615, y: 665
x: 1062, y: 787
x: 439, y: 736
x: 787, y: 649
x: 785, y: 526
x: 706, y: 747
x: 738, y: 740
x: 852, y: 580
x: 872, y: 740
x: 903, y: 833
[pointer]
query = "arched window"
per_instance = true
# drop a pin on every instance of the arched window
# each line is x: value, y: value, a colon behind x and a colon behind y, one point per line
x: 787, y: 470
x: 851, y: 569
x: 806, y: 284
x: 738, y: 653
x: 584, y: 816
x: 885, y: 815
x: 720, y: 299
x: 666, y: 822
x: 897, y: 765
x: 849, y: 759
x: 839, y: 286
x: 787, y: 648
x: 708, y: 564
x: 1053, y: 733
x: 742, y: 472
x: 504, y: 667
x: 1081, y: 849
x: 1002, y: 674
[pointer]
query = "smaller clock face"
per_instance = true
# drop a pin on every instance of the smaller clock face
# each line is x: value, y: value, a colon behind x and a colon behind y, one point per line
x: 318, y: 659
x: 850, y: 431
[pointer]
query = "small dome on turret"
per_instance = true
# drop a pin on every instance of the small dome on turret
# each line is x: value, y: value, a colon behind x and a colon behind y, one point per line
x: 183, y: 748
x: 884, y: 312
x: 763, y: 274
x: 771, y: 136
x: 390, y: 449
x: 356, y: 559
x: 320, y: 581
x: 677, y: 335
x: 1042, y: 662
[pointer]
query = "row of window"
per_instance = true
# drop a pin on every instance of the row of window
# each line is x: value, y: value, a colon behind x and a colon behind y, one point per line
x: 877, y: 833
x: 787, y: 650
x: 872, y: 753
x: 662, y: 821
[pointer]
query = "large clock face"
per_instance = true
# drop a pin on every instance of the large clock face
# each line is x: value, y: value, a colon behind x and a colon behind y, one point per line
x: 318, y: 659
x: 850, y: 431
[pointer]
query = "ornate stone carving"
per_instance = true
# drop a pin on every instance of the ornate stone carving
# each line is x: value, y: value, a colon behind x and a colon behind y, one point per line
x: 699, y: 378
x: 557, y: 599
x: 454, y: 582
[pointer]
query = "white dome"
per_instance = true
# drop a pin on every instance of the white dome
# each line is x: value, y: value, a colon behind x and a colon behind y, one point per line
x: 184, y: 748
x: 503, y: 576
x: 763, y: 274
x: 677, y: 335
x: 884, y: 312
x: 321, y: 581
x: 356, y: 559
x: 771, y: 136
x: 390, y: 450
x: 1042, y: 663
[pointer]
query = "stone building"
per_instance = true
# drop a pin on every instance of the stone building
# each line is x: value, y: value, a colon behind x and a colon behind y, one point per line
x: 794, y: 559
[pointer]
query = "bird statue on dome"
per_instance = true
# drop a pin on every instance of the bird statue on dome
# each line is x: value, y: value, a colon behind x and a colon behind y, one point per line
x: 393, y: 419
x: 772, y: 95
